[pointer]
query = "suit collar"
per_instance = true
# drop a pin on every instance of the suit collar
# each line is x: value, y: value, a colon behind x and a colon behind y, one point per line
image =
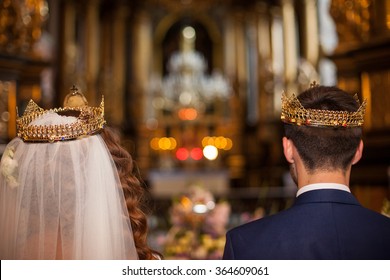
x: 326, y: 195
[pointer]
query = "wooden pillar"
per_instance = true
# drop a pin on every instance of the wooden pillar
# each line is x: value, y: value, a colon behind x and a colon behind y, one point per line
x: 278, y: 60
x: 253, y: 71
x: 69, y: 49
x: 311, y: 40
x: 91, y: 52
x: 118, y: 66
x: 290, y: 45
x: 229, y: 47
x: 142, y: 65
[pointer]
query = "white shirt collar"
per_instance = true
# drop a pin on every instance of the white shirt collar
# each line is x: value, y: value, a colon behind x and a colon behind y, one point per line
x: 321, y: 186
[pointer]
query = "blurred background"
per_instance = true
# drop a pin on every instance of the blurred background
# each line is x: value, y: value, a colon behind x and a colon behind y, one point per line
x: 194, y: 87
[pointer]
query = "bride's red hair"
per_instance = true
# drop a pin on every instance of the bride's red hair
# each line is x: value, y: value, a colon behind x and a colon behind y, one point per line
x: 136, y: 195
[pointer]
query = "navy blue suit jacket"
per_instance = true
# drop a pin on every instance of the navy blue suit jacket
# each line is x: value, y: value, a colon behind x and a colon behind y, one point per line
x: 322, y: 224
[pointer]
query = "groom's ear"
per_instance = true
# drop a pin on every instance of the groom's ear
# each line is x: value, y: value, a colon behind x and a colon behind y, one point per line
x: 358, y: 153
x: 288, y: 149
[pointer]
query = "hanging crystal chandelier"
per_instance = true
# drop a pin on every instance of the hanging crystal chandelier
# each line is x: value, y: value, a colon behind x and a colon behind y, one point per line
x: 187, y: 86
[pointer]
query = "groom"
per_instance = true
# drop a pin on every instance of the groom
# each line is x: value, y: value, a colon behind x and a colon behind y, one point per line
x: 323, y: 131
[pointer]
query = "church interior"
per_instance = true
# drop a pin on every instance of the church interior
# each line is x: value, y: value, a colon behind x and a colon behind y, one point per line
x: 194, y: 88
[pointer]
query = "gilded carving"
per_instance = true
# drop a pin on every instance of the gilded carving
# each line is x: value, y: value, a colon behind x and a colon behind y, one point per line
x: 21, y: 24
x: 379, y: 82
x: 352, y: 18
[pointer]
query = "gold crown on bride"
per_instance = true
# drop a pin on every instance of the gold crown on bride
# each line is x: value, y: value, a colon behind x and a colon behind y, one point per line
x: 294, y: 113
x: 89, y: 120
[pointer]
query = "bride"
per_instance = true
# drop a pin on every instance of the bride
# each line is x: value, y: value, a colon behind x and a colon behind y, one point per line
x: 67, y: 190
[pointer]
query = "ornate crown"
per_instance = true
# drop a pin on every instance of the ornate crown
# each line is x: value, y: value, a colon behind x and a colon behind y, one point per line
x: 90, y: 120
x: 294, y: 113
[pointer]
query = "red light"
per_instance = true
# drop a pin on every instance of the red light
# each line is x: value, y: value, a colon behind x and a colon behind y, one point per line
x: 188, y: 114
x: 196, y: 153
x: 182, y: 154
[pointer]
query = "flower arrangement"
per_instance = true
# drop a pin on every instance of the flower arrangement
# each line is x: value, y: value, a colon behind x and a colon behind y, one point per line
x: 198, y: 226
x: 9, y: 167
x: 386, y: 208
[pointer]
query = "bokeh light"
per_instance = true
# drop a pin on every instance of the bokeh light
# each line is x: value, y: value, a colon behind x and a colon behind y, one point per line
x: 182, y: 154
x: 210, y: 152
x: 196, y: 154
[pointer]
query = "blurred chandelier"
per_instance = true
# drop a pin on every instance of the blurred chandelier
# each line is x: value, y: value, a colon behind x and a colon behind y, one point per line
x: 187, y: 87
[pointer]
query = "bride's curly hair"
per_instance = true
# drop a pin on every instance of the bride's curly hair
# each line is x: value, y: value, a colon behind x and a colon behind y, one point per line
x: 136, y: 195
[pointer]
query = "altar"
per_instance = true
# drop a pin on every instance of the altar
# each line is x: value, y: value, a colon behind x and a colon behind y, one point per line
x: 168, y: 184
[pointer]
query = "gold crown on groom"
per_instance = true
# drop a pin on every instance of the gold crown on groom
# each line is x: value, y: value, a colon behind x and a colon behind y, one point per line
x: 89, y: 120
x: 294, y: 113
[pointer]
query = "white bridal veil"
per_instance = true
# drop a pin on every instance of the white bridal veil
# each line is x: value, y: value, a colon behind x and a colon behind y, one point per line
x: 62, y: 200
